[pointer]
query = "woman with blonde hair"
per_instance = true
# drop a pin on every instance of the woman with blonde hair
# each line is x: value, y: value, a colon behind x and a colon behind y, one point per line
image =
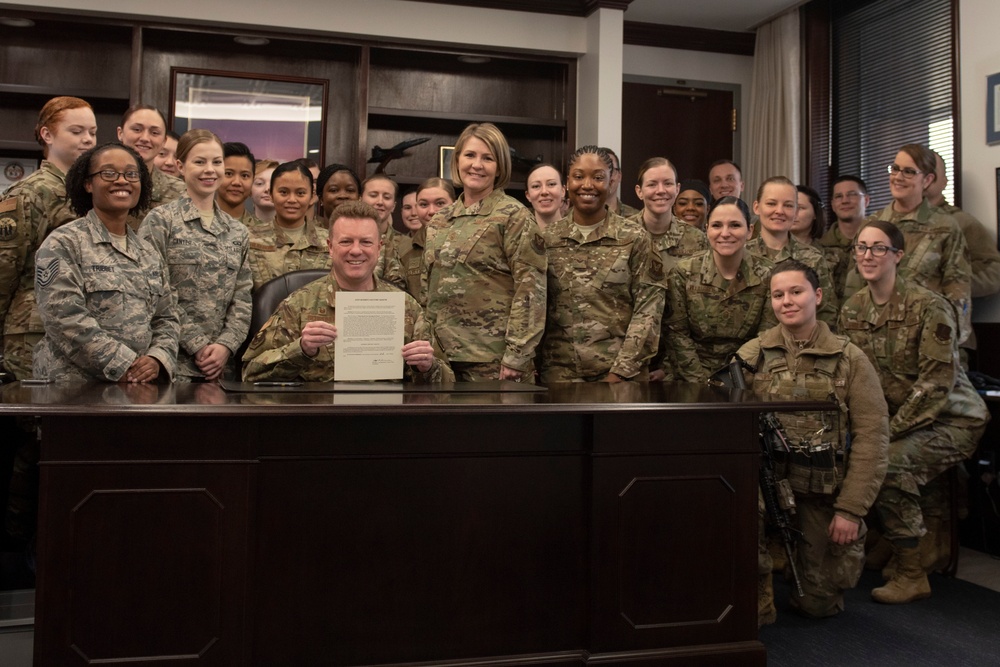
x: 486, y: 266
x: 205, y: 250
x: 30, y: 209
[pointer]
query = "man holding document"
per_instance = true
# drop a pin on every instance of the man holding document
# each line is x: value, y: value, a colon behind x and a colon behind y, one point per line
x: 379, y: 332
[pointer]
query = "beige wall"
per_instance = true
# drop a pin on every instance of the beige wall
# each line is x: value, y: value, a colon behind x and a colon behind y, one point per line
x: 979, y: 57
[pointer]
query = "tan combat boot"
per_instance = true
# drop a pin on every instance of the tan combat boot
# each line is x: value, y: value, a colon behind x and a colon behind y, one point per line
x: 909, y: 582
x: 766, y: 613
x: 935, y: 546
x: 877, y: 557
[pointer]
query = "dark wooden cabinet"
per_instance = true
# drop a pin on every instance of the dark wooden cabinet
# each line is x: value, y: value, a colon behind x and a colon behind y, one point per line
x: 585, y: 524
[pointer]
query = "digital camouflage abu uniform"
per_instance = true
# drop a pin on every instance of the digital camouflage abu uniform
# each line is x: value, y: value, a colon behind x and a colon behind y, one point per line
x: 936, y: 417
x: 826, y: 367
x: 679, y: 241
x: 708, y: 318
x: 404, y: 265
x: 166, y: 188
x: 276, y: 350
x: 102, y: 307
x: 30, y: 210
x: 486, y: 283
x: 276, y: 253
x: 209, y: 275
x: 936, y: 257
x: 815, y: 260
x: 606, y: 290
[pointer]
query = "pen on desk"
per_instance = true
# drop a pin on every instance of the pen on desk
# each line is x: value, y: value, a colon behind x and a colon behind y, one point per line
x: 277, y: 384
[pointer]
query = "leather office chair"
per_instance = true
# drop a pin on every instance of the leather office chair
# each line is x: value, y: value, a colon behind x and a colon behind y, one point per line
x: 270, y: 295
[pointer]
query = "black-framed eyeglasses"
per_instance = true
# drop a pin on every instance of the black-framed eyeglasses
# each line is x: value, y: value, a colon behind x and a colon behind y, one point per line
x: 110, y: 175
x: 908, y: 172
x: 878, y: 250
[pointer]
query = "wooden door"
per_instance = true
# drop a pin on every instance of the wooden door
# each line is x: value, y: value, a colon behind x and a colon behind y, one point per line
x: 691, y: 127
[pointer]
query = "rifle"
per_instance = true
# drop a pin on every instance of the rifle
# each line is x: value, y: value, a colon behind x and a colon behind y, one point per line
x: 778, y: 496
x: 779, y: 499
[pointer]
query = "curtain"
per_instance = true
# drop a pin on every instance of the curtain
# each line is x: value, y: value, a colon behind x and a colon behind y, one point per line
x: 774, y: 124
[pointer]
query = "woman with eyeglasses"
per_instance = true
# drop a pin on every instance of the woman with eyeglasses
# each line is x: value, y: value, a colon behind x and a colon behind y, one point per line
x: 102, y: 293
x: 936, y: 418
x: 206, y: 251
x: 938, y: 256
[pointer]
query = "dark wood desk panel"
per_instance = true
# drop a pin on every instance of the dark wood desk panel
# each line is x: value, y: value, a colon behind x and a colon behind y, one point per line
x: 588, y: 524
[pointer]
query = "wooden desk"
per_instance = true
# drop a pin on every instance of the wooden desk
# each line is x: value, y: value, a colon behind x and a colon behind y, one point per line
x: 588, y: 524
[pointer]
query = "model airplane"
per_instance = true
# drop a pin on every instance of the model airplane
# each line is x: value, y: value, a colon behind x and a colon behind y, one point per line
x: 383, y: 156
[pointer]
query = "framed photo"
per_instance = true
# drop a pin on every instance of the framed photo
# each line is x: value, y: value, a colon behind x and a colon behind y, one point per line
x: 280, y: 118
x: 14, y: 169
x: 444, y: 161
x: 993, y: 109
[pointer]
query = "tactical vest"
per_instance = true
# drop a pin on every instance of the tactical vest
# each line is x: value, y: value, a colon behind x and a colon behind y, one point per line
x: 819, y: 440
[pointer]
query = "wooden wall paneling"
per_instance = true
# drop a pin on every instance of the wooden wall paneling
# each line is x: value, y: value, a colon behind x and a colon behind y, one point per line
x: 816, y: 21
x: 336, y: 63
x: 364, y: 76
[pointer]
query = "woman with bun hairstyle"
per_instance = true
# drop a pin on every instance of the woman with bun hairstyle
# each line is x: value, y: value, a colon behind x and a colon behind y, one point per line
x: 29, y: 211
x: 206, y: 252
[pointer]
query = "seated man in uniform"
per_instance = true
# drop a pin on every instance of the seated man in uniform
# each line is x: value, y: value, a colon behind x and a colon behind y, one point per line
x: 295, y: 343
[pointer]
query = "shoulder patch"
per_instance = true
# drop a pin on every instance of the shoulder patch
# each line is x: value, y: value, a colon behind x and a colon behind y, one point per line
x: 656, y: 267
x: 8, y: 227
x: 538, y: 244
x: 942, y: 334
x: 46, y: 273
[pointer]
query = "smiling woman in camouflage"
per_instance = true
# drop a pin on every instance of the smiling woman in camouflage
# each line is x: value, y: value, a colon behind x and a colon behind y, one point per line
x: 485, y: 266
x: 102, y: 293
x: 717, y: 300
x: 606, y: 285
x: 206, y: 251
x: 30, y: 210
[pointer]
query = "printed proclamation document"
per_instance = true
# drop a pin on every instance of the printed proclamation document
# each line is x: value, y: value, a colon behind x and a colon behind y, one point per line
x: 369, y: 341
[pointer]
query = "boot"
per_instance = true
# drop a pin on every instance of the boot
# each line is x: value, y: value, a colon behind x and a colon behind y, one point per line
x: 935, y: 546
x: 909, y: 583
x: 766, y: 613
x: 877, y: 557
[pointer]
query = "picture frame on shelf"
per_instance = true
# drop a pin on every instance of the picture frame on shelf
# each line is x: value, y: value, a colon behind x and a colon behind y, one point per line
x: 14, y: 169
x: 281, y: 118
x: 993, y: 109
x: 444, y: 161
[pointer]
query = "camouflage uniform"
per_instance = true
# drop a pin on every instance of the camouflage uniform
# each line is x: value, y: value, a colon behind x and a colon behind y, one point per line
x: 605, y: 301
x: 707, y: 317
x: 255, y: 226
x: 983, y: 254
x: 102, y: 307
x: 836, y: 248
x: 276, y: 350
x: 486, y: 282
x: 275, y: 253
x: 209, y: 274
x: 404, y: 265
x: 936, y: 417
x: 624, y: 210
x: 827, y: 367
x: 679, y: 241
x: 30, y: 210
x: 936, y: 257
x: 811, y: 257
x: 166, y: 188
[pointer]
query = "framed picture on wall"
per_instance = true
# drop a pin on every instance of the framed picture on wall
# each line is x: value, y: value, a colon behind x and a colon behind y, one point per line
x: 279, y: 118
x: 993, y: 109
x: 444, y: 161
x: 14, y: 169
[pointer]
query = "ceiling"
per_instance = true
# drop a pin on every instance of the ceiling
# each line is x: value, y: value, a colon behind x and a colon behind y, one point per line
x: 731, y: 15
